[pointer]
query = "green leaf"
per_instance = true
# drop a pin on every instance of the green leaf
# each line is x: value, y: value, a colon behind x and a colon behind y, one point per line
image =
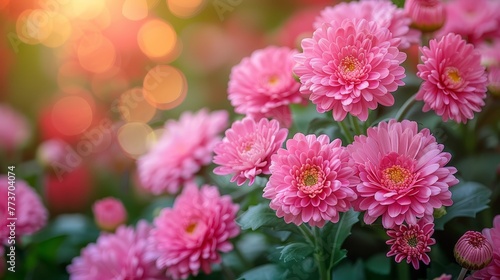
x: 324, y: 125
x: 261, y: 215
x: 469, y: 199
x: 295, y: 252
x: 349, y: 270
x: 336, y: 233
x: 379, y: 263
x: 264, y: 272
x: 399, y: 3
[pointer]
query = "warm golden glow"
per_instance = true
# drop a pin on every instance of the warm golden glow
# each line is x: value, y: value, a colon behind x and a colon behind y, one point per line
x: 132, y: 138
x: 59, y: 35
x: 185, y: 8
x: 165, y: 87
x: 72, y: 115
x: 135, y: 9
x: 133, y: 106
x: 157, y: 38
x: 96, y: 55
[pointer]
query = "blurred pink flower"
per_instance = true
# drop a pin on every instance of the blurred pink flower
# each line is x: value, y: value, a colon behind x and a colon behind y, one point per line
x: 52, y: 151
x: 490, y: 56
x: 426, y: 15
x: 454, y: 81
x: 263, y: 85
x: 14, y: 129
x: 474, y: 20
x: 473, y: 251
x: 403, y: 174
x: 298, y: 26
x: 29, y: 210
x: 412, y: 242
x: 311, y: 180
x: 494, y: 80
x: 109, y: 213
x: 350, y: 67
x: 492, y: 270
x: 119, y: 255
x: 444, y: 277
x: 189, y: 236
x: 246, y: 150
x: 184, y: 147
x: 383, y: 12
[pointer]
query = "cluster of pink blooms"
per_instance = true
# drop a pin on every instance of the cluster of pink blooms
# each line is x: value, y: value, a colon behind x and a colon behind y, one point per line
x: 30, y: 213
x: 188, y: 237
x: 185, y: 146
x: 119, y: 255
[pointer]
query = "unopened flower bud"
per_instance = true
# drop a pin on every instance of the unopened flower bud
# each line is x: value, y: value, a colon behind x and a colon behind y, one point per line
x: 109, y: 213
x: 439, y: 212
x: 426, y: 15
x: 473, y: 251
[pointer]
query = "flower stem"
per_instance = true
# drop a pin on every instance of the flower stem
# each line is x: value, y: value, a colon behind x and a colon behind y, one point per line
x: 355, y: 125
x: 347, y: 133
x: 307, y: 234
x: 319, y: 256
x: 462, y: 274
x: 401, y: 114
x: 403, y: 271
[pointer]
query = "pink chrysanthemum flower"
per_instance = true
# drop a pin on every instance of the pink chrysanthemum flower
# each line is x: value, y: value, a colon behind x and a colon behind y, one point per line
x: 189, y: 236
x: 474, y: 20
x: 184, y: 147
x: 14, y: 129
x: 426, y: 15
x: 403, y: 173
x: 311, y: 180
x: 263, y: 85
x: 490, y: 56
x: 492, y: 270
x: 473, y: 251
x: 121, y: 255
x: 30, y: 213
x: 412, y: 242
x: 384, y: 13
x: 247, y: 148
x: 454, y: 81
x: 109, y: 213
x: 350, y: 67
x: 494, y: 80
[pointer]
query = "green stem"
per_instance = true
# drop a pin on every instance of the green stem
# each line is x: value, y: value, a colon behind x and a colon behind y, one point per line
x: 307, y: 234
x: 242, y: 258
x: 319, y: 255
x: 403, y: 271
x: 401, y: 114
x: 355, y: 125
x: 346, y: 132
x: 462, y: 274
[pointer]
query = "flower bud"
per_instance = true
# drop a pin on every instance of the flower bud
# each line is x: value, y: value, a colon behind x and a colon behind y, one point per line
x: 426, y: 15
x: 473, y: 251
x: 439, y: 212
x: 109, y: 213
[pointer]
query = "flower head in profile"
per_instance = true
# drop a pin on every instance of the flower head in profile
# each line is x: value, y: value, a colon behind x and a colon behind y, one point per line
x: 473, y: 251
x: 311, y: 180
x: 109, y: 213
x: 412, y: 242
x: 31, y: 215
x: 246, y: 150
x: 119, y: 255
x: 14, y: 129
x: 403, y: 173
x: 454, y: 81
x: 263, y: 85
x: 492, y: 270
x: 383, y: 12
x: 350, y: 67
x: 184, y: 147
x: 426, y: 15
x: 190, y: 236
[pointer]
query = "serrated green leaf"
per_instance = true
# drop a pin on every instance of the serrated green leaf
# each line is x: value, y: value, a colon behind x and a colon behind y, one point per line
x: 261, y: 215
x: 379, y: 263
x: 336, y: 233
x: 469, y: 199
x: 295, y: 252
x: 264, y: 272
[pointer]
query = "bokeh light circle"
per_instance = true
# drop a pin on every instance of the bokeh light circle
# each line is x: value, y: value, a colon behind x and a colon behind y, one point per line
x: 133, y: 106
x: 185, y: 8
x: 133, y: 138
x: 135, y: 9
x: 72, y: 115
x: 157, y: 38
x: 97, y: 56
x: 58, y: 36
x: 165, y: 87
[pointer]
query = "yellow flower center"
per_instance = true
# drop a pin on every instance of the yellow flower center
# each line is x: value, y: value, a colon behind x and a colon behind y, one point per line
x: 453, y: 75
x: 349, y: 64
x: 190, y: 228
x: 396, y: 177
x: 273, y: 80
